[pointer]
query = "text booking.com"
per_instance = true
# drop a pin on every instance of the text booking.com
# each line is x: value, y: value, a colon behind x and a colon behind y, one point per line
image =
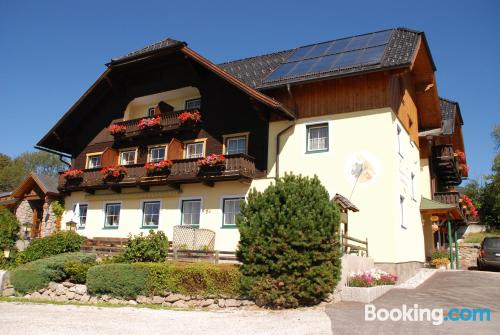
x: 417, y: 314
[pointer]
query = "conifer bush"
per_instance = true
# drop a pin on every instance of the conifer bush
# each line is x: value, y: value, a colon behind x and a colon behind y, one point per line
x: 289, y: 243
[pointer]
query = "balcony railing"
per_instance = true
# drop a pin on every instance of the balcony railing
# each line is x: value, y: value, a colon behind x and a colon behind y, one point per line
x: 168, y: 121
x: 452, y: 198
x: 447, y: 166
x: 238, y: 166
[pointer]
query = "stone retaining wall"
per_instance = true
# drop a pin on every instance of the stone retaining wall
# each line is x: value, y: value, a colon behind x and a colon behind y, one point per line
x: 467, y: 255
x: 69, y: 292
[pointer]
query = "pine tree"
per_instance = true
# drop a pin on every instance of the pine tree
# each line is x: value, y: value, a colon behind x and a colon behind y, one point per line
x: 289, y: 243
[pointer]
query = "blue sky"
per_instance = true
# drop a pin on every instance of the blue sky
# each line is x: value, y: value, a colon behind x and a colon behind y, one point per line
x: 52, y: 51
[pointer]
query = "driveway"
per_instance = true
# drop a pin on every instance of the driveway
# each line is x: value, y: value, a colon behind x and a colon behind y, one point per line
x: 35, y: 319
x: 446, y: 290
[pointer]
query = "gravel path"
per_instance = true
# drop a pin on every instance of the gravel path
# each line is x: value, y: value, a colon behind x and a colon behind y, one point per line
x: 33, y: 319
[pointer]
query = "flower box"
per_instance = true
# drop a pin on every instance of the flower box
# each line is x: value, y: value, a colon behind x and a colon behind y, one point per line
x: 113, y: 173
x: 364, y: 294
x: 159, y: 168
x: 117, y: 130
x: 212, y: 164
x: 189, y: 118
x: 73, y: 176
x: 150, y: 123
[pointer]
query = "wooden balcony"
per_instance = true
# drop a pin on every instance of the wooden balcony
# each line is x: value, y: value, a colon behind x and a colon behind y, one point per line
x: 168, y: 122
x: 446, y: 165
x: 452, y: 198
x: 183, y: 171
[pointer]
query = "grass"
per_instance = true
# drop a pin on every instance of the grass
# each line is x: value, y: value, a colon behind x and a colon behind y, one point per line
x: 478, y: 237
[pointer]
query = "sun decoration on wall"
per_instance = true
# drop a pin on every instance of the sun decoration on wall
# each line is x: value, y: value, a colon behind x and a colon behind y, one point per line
x: 362, y: 167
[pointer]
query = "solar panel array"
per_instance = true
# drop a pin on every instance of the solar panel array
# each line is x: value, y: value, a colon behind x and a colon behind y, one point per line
x: 349, y: 52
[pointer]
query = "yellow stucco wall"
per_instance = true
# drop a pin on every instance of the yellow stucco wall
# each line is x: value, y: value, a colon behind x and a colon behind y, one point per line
x: 425, y: 178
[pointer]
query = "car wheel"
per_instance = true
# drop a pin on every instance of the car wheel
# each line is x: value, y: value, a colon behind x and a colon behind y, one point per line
x: 479, y: 266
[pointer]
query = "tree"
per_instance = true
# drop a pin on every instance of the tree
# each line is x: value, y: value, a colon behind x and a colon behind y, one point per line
x: 13, y: 171
x: 9, y: 228
x: 289, y: 243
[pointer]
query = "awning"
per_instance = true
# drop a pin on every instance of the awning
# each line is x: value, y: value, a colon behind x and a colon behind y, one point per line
x: 433, y: 207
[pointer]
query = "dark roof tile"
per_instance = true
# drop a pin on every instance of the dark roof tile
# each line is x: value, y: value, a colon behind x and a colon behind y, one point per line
x: 449, y: 110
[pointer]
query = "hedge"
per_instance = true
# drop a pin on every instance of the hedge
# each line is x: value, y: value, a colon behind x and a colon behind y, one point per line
x: 118, y: 280
x: 57, y: 243
x: 9, y: 229
x: 191, y: 278
x: 37, y: 275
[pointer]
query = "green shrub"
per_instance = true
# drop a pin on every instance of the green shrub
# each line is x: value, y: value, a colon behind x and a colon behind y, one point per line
x: 289, y: 243
x: 192, y: 278
x: 150, y: 248
x: 9, y: 228
x: 440, y: 253
x: 77, y: 271
x: 118, y: 280
x: 36, y: 275
x: 57, y: 243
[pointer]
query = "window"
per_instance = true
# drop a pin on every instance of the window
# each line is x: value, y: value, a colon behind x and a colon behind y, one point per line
x: 81, y: 213
x: 151, y: 213
x: 317, y: 138
x: 112, y: 217
x: 231, y: 208
x: 127, y: 157
x: 191, y: 212
x: 236, y: 145
x: 151, y: 111
x: 399, y: 140
x: 193, y: 103
x: 413, y: 186
x: 93, y: 161
x: 401, y: 205
x: 194, y: 150
x: 157, y: 154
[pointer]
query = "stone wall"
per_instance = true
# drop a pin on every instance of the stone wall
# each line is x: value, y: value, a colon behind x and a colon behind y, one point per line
x: 24, y: 212
x: 404, y: 270
x: 467, y: 255
x: 48, y: 219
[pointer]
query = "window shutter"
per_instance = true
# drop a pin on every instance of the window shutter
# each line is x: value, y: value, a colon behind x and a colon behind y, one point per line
x: 109, y: 157
x: 175, y: 149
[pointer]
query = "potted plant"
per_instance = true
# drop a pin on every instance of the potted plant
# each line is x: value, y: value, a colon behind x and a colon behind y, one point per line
x: 113, y: 173
x: 212, y: 163
x: 159, y: 168
x: 150, y: 123
x: 73, y: 176
x: 440, y: 259
x: 461, y: 156
x: 189, y: 118
x: 117, y: 130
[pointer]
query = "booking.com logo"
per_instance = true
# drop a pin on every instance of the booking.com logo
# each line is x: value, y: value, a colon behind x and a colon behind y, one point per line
x: 436, y: 315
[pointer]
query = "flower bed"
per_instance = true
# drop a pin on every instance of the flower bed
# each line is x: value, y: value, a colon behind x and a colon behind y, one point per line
x: 117, y: 129
x: 150, y: 123
x: 158, y: 168
x: 371, y: 278
x: 113, y: 173
x: 189, y: 117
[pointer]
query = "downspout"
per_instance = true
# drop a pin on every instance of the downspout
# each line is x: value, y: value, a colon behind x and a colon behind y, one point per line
x: 278, y: 137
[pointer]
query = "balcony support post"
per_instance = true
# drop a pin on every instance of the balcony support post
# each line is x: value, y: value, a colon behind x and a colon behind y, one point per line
x: 450, y: 242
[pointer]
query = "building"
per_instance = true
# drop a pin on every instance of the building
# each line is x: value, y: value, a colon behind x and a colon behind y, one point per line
x: 349, y: 111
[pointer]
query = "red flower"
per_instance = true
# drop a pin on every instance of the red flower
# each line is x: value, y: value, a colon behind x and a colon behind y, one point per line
x: 211, y: 160
x: 159, y: 167
x: 189, y: 116
x: 149, y: 122
x: 113, y: 172
x: 117, y: 129
x: 72, y: 174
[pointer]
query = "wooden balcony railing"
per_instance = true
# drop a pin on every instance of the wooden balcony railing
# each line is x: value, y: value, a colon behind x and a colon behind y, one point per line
x: 447, y: 166
x: 452, y: 198
x: 168, y: 121
x: 238, y: 166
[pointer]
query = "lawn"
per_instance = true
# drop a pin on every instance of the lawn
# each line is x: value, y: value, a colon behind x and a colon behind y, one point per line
x: 478, y: 237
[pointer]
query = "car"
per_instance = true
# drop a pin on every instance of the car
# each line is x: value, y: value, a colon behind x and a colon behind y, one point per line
x: 489, y: 253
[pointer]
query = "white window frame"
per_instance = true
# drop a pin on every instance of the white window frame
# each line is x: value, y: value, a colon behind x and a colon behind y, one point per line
x: 222, y: 207
x: 143, y: 214
x: 402, y: 211
x: 152, y: 147
x: 195, y: 142
x: 89, y: 157
x: 106, y: 226
x: 227, y: 138
x: 181, y: 205
x: 399, y: 130
x: 134, y: 150
x: 327, y: 142
x: 188, y: 101
x: 79, y: 224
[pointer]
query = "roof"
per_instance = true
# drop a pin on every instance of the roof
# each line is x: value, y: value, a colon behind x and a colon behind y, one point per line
x: 398, y: 51
x: 48, y: 184
x: 5, y: 194
x: 449, y: 111
x: 345, y: 203
x: 166, y: 43
x: 428, y: 204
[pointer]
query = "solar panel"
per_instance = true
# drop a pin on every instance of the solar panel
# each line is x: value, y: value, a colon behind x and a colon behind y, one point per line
x: 334, y: 55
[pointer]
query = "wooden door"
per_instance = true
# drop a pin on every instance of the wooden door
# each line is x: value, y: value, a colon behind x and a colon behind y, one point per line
x: 175, y: 149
